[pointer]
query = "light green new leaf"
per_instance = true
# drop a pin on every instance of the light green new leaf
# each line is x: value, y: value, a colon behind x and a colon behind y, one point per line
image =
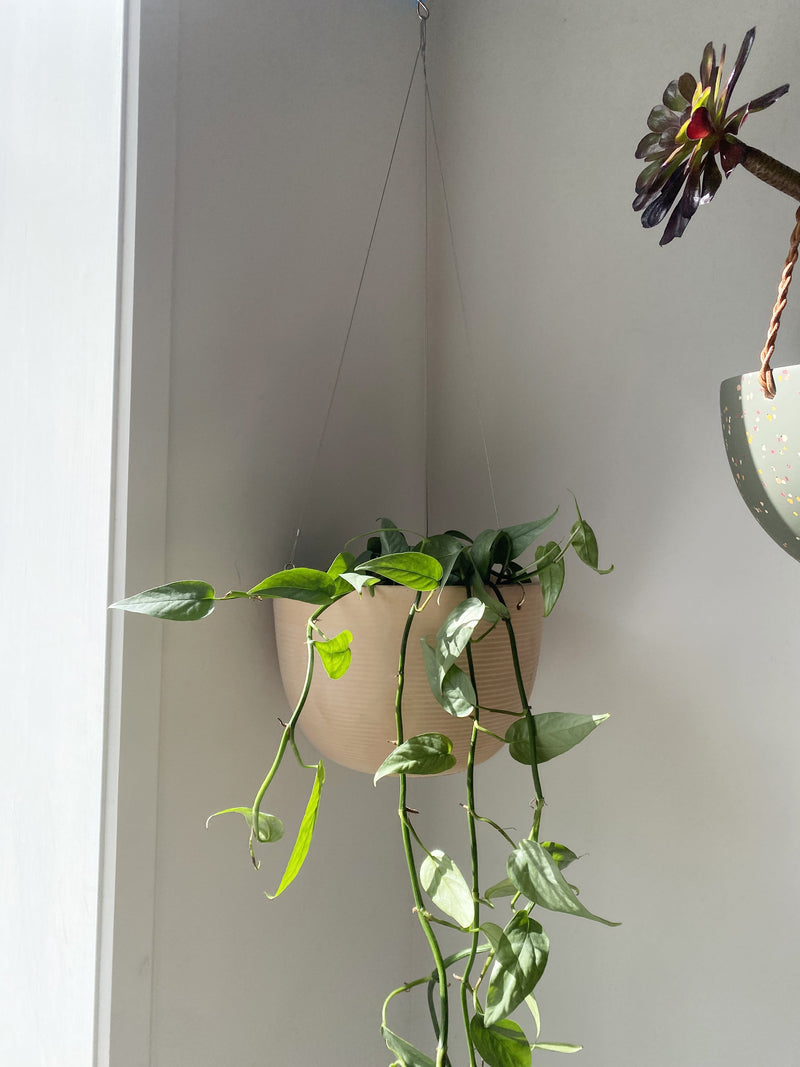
x: 533, y: 1007
x: 304, y: 835
x: 556, y: 732
x: 335, y: 654
x: 521, y: 952
x: 413, y: 569
x: 503, y: 1044
x: 526, y: 533
x: 409, y: 1056
x: 343, y: 562
x: 423, y: 754
x: 270, y: 827
x: 551, y: 575
x: 560, y: 853
x: 557, y: 1046
x: 446, y: 886
x: 393, y: 540
x: 297, y: 583
x: 536, y: 875
x: 184, y: 601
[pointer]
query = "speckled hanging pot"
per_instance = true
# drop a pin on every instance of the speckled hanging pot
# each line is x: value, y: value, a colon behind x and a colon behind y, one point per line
x: 352, y: 719
x: 762, y: 439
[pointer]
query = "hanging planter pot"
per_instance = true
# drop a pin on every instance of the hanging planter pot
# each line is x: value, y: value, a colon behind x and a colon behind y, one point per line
x: 762, y: 440
x: 352, y: 719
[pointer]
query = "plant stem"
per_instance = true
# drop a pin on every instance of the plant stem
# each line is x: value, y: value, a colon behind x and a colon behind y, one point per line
x: 771, y: 171
x: 523, y: 696
x: 288, y: 731
x: 473, y: 848
x: 436, y: 952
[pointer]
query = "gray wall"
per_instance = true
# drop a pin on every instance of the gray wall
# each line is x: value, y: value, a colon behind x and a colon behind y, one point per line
x: 598, y: 357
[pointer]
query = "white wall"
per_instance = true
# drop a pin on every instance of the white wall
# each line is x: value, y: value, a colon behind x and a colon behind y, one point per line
x: 599, y: 358
x: 60, y: 93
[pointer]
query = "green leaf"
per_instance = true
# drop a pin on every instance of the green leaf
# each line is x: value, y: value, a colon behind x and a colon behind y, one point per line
x: 446, y: 549
x: 304, y: 834
x: 423, y: 754
x: 505, y: 888
x: 560, y: 853
x: 533, y: 1007
x: 556, y: 732
x: 552, y: 1046
x: 524, y: 535
x: 446, y: 886
x: 456, y: 631
x: 343, y: 562
x: 536, y: 875
x: 358, y: 581
x: 335, y: 654
x: 270, y: 827
x: 409, y: 1056
x: 184, y: 601
x: 551, y: 575
x: 520, y: 952
x: 454, y: 691
x: 297, y: 583
x: 481, y: 552
x: 496, y: 607
x: 393, y: 541
x: 503, y: 1044
x: 413, y: 569
x: 585, y: 543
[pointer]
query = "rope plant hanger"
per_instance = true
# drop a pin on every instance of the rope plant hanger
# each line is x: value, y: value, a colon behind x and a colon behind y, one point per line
x: 429, y: 134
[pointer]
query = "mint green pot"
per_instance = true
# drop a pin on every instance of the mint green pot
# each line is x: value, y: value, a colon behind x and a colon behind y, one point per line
x: 762, y: 439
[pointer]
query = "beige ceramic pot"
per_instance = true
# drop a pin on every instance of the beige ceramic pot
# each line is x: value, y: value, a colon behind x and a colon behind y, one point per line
x: 352, y: 719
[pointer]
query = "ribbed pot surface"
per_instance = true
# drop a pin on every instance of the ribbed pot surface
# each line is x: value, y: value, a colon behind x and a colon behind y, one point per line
x: 352, y: 719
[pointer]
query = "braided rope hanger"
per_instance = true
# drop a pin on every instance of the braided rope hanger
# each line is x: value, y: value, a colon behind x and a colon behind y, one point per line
x: 765, y: 377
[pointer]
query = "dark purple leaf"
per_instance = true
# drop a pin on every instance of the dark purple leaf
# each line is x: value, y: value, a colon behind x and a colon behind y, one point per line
x: 645, y: 182
x: 648, y: 142
x: 700, y: 125
x: 768, y: 99
x: 684, y: 209
x: 661, y: 118
x: 687, y: 83
x: 707, y: 64
x: 741, y: 59
x: 655, y: 211
x: 712, y: 179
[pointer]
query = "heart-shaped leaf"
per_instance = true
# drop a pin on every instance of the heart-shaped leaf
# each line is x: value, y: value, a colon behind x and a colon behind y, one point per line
x: 417, y: 570
x: 520, y: 952
x: 409, y: 1056
x: 335, y: 654
x: 185, y: 601
x: 556, y: 732
x: 270, y: 827
x: 297, y: 583
x: 423, y: 754
x: 446, y: 886
x: 503, y: 1044
x: 536, y: 875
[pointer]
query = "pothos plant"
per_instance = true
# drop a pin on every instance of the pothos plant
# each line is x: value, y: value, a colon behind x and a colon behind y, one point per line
x: 502, y: 959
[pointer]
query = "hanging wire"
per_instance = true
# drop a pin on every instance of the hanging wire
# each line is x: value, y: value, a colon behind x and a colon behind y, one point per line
x: 468, y: 345
x: 426, y: 361
x: 315, y: 462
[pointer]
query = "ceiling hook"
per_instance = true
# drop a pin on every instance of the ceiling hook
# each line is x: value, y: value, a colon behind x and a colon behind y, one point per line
x: 422, y: 11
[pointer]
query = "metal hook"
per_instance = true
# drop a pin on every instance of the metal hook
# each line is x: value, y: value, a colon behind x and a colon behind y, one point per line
x: 422, y: 11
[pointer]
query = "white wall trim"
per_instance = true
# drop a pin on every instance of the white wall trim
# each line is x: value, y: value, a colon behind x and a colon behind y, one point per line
x: 138, y: 536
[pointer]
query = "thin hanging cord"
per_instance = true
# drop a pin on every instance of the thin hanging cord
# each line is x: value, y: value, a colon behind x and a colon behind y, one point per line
x: 765, y: 377
x: 315, y: 461
x: 470, y: 359
x: 426, y: 381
